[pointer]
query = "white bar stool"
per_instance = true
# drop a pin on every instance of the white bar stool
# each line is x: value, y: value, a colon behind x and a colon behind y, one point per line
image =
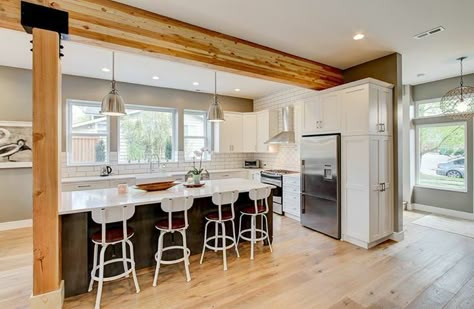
x: 171, y: 225
x: 220, y: 217
x: 107, y: 237
x: 258, y: 209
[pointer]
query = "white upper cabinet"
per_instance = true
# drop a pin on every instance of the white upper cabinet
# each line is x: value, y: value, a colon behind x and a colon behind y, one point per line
x: 249, y: 122
x: 228, y: 134
x: 245, y: 132
x: 367, y: 109
x: 267, y: 126
x: 322, y: 114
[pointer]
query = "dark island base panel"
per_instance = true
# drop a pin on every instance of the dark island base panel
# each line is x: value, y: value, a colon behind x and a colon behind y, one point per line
x: 77, y: 247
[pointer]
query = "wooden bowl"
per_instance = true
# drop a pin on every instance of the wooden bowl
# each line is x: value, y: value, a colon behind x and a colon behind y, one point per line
x: 157, y: 186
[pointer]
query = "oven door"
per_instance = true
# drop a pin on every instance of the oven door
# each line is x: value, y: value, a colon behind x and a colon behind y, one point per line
x: 277, y: 193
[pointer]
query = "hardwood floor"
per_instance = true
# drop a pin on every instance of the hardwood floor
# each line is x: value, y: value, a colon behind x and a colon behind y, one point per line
x: 429, y: 269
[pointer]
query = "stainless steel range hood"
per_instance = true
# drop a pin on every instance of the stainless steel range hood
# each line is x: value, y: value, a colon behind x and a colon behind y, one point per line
x: 287, y: 136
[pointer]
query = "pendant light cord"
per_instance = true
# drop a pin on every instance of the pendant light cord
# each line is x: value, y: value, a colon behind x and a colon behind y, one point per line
x: 113, y: 66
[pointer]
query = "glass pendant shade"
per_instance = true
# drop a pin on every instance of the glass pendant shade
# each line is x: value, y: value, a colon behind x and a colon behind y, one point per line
x: 215, y: 112
x: 458, y: 103
x: 113, y: 104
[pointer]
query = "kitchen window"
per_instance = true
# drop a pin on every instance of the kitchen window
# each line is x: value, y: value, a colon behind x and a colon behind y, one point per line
x: 197, y: 133
x: 87, y: 133
x: 147, y: 133
x: 441, y: 151
x: 428, y: 108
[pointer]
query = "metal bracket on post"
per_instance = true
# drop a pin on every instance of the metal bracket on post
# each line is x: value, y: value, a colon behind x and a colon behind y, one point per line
x: 43, y: 17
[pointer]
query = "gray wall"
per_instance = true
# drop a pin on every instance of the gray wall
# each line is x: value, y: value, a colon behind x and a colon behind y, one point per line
x: 388, y: 69
x: 452, y: 200
x: 437, y: 89
x: 16, y: 105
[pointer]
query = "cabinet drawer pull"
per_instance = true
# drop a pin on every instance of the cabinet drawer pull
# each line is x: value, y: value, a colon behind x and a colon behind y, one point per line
x: 84, y: 186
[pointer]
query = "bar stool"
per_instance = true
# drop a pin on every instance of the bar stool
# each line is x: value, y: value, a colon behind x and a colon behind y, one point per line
x: 107, y: 237
x: 258, y: 209
x: 171, y: 225
x: 220, y: 217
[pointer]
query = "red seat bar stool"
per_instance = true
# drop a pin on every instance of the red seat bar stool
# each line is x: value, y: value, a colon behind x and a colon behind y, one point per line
x: 220, y: 218
x: 258, y: 209
x: 171, y: 225
x: 108, y: 237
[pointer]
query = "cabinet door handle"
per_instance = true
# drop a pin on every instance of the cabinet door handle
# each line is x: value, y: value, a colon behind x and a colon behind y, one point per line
x: 84, y: 186
x: 382, y: 187
x: 383, y: 127
x: 320, y: 123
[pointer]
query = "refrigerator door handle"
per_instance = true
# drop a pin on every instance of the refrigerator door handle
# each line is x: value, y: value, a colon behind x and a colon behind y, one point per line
x: 302, y: 176
x: 303, y: 209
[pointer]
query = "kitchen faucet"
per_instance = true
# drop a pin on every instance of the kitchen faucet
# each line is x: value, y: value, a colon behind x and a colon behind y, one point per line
x: 150, y: 160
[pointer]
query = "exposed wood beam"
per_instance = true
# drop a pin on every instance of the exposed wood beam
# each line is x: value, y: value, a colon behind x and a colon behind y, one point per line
x: 115, y: 25
x: 46, y: 161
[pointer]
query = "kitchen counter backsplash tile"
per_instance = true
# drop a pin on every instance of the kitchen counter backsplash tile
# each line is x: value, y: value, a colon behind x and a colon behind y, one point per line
x: 219, y: 161
x: 288, y: 156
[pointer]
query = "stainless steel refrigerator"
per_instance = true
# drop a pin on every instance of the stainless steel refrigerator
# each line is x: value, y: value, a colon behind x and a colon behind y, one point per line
x: 320, y: 184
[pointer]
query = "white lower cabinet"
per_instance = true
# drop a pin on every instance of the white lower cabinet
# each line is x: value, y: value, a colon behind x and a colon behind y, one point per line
x: 367, y: 207
x: 227, y: 175
x: 292, y: 196
x: 254, y: 175
x: 99, y: 184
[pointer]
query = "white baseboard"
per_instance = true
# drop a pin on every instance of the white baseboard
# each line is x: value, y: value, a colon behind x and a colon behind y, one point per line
x: 444, y: 212
x: 398, y: 236
x: 50, y: 300
x: 16, y: 224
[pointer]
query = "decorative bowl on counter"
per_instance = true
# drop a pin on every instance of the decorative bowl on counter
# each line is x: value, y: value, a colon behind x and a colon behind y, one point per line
x: 157, y: 186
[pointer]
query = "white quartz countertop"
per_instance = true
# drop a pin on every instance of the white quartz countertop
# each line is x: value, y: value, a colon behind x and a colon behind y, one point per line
x: 146, y: 175
x: 85, y: 201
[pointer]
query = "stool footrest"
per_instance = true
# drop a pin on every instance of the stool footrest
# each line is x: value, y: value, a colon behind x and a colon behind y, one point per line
x: 262, y: 232
x: 212, y: 238
x: 117, y: 260
x: 168, y: 262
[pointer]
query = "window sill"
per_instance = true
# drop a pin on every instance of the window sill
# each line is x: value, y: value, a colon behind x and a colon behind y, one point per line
x: 442, y: 188
x: 87, y: 164
x: 146, y: 163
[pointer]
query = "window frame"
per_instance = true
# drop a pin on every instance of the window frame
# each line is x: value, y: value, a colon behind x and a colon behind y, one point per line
x: 207, y: 137
x: 427, y: 101
x: 417, y: 154
x: 69, y: 134
x: 174, y: 129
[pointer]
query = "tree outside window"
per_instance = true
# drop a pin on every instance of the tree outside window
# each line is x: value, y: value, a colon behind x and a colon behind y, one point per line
x: 146, y: 134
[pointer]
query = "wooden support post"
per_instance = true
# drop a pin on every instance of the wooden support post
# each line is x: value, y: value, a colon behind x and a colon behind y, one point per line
x: 46, y: 167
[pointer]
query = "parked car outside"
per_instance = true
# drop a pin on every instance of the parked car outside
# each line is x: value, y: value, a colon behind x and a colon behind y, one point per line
x: 453, y: 168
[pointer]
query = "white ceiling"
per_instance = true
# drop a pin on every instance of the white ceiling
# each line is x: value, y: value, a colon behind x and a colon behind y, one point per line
x: 322, y: 30
x: 88, y: 61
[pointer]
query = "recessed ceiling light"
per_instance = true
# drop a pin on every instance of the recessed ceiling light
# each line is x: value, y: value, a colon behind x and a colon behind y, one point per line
x: 420, y: 75
x: 196, y: 84
x: 104, y: 69
x: 358, y: 36
x: 156, y: 77
x: 237, y: 89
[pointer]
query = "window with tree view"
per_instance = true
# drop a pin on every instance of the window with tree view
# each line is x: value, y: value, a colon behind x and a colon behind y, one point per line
x: 441, y: 155
x: 146, y: 134
x: 196, y: 133
x: 88, y: 133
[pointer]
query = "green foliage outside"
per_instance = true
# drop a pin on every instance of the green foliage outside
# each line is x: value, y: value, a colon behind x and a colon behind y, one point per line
x: 147, y: 133
x: 445, y: 140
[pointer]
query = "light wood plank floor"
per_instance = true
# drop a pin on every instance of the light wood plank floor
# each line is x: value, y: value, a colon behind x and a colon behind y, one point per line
x: 429, y: 269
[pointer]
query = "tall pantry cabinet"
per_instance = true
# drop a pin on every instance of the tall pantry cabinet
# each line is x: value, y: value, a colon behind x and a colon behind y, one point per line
x: 367, y: 167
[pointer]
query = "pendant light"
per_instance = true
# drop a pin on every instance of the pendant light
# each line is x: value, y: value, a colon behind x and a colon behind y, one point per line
x: 215, y: 112
x: 112, y: 103
x: 458, y: 103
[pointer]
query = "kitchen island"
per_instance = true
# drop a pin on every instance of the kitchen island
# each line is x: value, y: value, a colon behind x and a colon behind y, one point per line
x: 78, y: 227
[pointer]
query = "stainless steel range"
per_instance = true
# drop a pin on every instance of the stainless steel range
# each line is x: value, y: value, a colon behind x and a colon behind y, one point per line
x: 275, y: 177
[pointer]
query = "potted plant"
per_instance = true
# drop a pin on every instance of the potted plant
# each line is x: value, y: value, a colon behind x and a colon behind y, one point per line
x: 196, y: 172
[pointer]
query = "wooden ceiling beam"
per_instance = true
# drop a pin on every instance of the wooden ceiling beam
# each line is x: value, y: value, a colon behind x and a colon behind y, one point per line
x: 122, y: 27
